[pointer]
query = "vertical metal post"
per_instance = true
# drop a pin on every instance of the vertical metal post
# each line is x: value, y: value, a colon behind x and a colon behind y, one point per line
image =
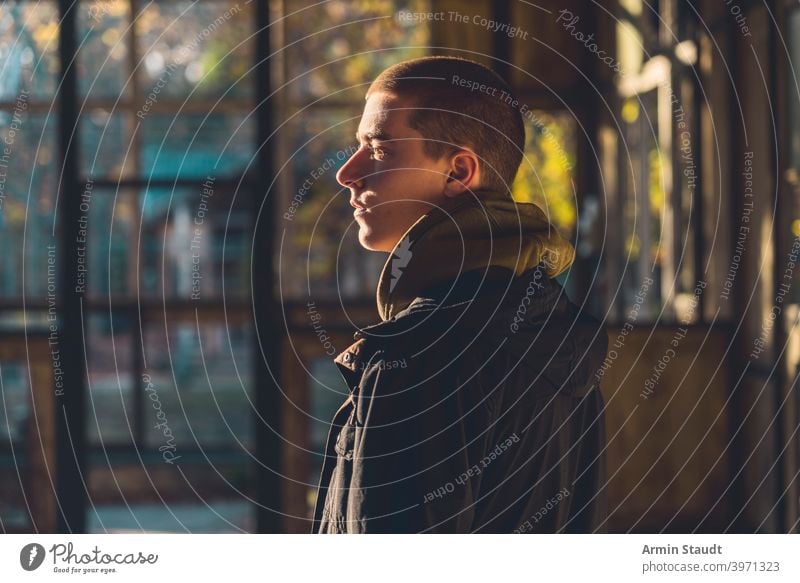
x: 268, y: 328
x: 70, y: 410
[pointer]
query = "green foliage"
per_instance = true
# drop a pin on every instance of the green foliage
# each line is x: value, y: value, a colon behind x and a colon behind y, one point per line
x: 545, y: 176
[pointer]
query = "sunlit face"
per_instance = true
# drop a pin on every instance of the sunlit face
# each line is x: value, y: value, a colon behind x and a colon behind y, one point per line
x: 392, y: 181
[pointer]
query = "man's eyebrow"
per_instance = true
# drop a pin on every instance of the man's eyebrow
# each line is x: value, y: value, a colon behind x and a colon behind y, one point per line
x: 377, y: 135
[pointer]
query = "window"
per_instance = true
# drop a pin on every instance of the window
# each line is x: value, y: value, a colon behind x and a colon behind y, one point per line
x: 166, y: 138
x: 340, y: 47
x: 654, y: 235
x: 28, y: 175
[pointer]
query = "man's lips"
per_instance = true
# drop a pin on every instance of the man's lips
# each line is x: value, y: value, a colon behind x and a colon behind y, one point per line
x: 360, y: 208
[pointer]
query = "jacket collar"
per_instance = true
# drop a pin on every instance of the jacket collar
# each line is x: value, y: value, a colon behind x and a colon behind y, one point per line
x: 475, y: 232
x: 474, y: 298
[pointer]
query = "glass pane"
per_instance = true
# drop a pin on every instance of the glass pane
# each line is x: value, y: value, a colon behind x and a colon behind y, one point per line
x: 196, y: 386
x: 14, y: 403
x: 195, y: 243
x: 340, y: 45
x: 328, y: 392
x: 187, y: 146
x: 196, y: 146
x: 103, y: 56
x: 643, y: 201
x: 200, y: 48
x: 107, y: 146
x: 112, y: 231
x: 28, y: 50
x: 211, y: 516
x: 28, y: 187
x: 15, y: 411
x: 165, y: 243
x: 320, y: 249
x: 137, y: 491
x: 110, y: 417
x: 546, y: 174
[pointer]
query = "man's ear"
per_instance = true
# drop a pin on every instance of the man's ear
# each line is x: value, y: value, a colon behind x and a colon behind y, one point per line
x: 464, y: 173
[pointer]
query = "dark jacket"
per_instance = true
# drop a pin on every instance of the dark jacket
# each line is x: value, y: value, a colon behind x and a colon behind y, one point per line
x: 474, y: 406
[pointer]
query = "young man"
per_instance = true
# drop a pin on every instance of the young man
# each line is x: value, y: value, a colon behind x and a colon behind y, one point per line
x: 473, y: 404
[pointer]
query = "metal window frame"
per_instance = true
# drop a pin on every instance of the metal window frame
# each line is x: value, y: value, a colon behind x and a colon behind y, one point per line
x: 72, y: 448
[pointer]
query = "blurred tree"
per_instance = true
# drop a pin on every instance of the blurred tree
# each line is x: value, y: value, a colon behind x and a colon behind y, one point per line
x: 545, y: 175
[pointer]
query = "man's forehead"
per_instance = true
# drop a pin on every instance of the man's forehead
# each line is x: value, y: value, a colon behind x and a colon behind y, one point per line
x: 384, y: 115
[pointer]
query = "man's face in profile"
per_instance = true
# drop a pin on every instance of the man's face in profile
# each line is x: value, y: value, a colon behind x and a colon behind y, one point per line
x: 392, y: 181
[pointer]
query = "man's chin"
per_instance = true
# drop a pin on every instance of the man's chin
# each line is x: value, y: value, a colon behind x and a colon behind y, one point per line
x: 372, y: 243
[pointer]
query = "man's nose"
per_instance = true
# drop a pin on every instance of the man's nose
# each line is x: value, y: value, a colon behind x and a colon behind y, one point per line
x: 353, y: 171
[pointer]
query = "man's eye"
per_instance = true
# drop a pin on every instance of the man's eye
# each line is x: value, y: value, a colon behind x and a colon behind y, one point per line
x: 376, y: 153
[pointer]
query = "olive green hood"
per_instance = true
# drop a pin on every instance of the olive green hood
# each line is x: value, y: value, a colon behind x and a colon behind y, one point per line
x: 474, y: 231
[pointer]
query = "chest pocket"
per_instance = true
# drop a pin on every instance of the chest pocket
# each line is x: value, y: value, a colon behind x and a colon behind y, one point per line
x: 345, y: 442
